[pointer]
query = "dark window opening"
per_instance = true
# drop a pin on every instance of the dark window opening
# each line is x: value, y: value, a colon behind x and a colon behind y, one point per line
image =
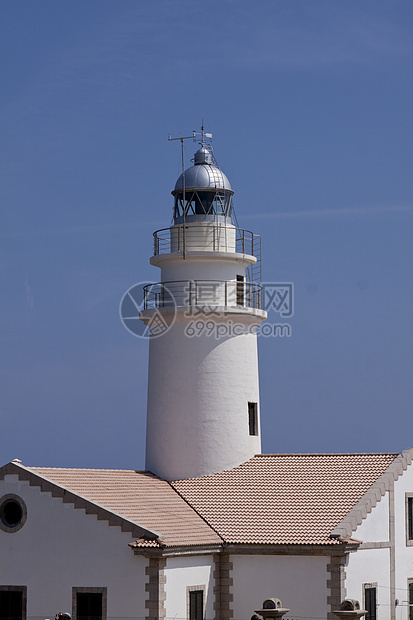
x: 410, y: 518
x: 196, y: 605
x: 207, y: 202
x: 11, y: 605
x: 411, y: 600
x: 253, y: 418
x: 89, y: 606
x: 370, y: 603
x: 11, y: 513
x: 240, y: 290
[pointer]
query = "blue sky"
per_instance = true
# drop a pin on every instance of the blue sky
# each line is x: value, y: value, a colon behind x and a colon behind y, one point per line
x: 310, y: 105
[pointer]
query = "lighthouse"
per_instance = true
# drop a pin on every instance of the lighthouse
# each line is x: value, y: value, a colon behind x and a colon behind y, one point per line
x: 203, y: 413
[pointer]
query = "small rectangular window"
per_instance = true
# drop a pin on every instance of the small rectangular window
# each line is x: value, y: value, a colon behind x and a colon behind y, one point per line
x: 196, y: 605
x: 89, y: 606
x: 253, y: 418
x: 240, y: 290
x: 12, y: 602
x: 89, y: 603
x: 370, y: 602
x: 410, y: 518
x: 411, y: 600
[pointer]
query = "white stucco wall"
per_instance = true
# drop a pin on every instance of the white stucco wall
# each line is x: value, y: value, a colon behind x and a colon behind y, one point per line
x: 375, y: 527
x: 60, y: 547
x: 299, y: 581
x: 373, y: 565
x: 370, y: 566
x: 184, y: 572
x: 404, y: 552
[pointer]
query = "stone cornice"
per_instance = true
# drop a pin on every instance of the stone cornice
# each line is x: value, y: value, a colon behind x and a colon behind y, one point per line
x: 343, y: 547
x: 176, y: 551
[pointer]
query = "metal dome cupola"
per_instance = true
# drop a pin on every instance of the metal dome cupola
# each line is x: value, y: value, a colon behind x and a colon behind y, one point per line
x: 203, y: 192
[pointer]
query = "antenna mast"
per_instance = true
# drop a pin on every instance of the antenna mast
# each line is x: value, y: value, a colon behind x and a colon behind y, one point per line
x: 182, y: 138
x: 204, y: 137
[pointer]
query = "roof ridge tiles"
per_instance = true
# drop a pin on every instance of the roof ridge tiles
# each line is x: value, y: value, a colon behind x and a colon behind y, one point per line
x: 91, y: 469
x: 196, y: 511
x: 327, y: 454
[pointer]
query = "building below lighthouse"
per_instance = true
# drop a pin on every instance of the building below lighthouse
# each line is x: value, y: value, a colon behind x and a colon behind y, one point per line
x: 212, y: 527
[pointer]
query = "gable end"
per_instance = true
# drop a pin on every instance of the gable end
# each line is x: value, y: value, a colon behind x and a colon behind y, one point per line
x: 374, y: 495
x: 79, y: 502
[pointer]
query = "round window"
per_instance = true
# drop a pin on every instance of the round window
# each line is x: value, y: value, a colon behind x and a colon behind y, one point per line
x: 13, y: 513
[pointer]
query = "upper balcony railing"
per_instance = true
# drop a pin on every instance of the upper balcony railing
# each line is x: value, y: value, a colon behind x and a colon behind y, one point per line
x: 210, y: 237
x: 207, y: 293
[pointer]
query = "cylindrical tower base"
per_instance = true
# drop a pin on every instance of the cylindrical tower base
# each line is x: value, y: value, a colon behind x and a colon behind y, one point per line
x: 203, y: 393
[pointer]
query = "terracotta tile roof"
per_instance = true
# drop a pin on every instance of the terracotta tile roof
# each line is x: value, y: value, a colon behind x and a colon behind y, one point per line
x: 139, y: 497
x: 270, y: 499
x: 285, y: 498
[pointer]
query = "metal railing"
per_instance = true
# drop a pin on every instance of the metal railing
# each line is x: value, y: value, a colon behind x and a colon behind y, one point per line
x: 211, y: 293
x: 216, y: 238
x: 211, y: 237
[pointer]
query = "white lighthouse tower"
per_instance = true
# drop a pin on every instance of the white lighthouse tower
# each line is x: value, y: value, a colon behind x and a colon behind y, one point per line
x: 203, y: 389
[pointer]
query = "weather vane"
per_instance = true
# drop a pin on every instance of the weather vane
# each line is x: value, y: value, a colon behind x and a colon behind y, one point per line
x: 203, y: 135
x: 195, y: 136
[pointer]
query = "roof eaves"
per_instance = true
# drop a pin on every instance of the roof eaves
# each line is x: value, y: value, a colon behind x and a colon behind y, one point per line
x: 78, y: 501
x: 144, y: 542
x: 303, y: 548
x: 176, y: 549
x: 375, y: 493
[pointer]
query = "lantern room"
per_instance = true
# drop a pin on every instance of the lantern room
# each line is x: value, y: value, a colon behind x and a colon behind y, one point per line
x: 203, y: 192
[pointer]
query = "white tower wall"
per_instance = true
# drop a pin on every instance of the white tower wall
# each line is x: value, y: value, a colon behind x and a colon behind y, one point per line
x: 198, y: 394
x: 203, y: 392
x: 203, y: 266
x: 203, y: 236
x: 206, y: 278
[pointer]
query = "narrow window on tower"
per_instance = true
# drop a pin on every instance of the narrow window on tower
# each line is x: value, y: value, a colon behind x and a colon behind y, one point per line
x: 196, y: 605
x: 370, y: 601
x: 253, y: 418
x: 240, y: 290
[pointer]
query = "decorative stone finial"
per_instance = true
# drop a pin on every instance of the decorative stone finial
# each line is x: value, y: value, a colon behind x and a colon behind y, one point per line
x: 271, y: 608
x: 350, y: 608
